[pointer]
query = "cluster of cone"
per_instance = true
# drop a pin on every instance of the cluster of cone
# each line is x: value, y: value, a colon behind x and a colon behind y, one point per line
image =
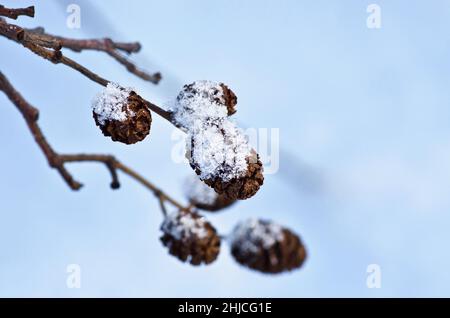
x: 253, y: 243
x: 260, y: 245
x: 257, y: 244
x: 123, y: 115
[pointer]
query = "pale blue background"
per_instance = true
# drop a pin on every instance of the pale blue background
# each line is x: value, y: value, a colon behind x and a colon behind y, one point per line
x: 363, y: 116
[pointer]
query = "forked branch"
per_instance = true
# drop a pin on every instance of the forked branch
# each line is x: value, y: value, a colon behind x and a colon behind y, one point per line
x: 15, y: 13
x: 58, y: 161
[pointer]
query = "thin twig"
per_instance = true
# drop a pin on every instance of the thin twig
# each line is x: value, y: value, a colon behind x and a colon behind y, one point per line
x: 49, y: 47
x: 57, y: 161
x: 46, y: 48
x: 15, y: 13
x: 162, y: 205
x: 105, y: 45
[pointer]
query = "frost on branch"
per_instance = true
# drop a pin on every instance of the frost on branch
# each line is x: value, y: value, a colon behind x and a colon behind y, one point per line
x: 218, y: 150
x: 203, y: 197
x: 121, y: 114
x: 189, y: 237
x: 267, y: 247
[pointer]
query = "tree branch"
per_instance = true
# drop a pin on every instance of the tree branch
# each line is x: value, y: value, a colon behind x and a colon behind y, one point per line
x: 15, y: 13
x: 105, y: 45
x: 49, y: 47
x: 57, y: 161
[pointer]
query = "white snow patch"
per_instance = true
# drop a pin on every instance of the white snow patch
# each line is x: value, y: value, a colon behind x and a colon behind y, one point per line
x: 182, y: 226
x: 109, y: 104
x: 190, y: 107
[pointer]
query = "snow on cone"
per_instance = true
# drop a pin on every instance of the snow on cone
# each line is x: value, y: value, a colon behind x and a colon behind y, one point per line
x: 218, y: 150
x: 217, y: 93
x: 204, y: 197
x: 189, y: 237
x: 266, y: 247
x: 121, y: 114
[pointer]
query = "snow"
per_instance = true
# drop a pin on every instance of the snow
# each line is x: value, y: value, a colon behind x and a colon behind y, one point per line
x: 196, y: 190
x: 190, y: 109
x: 220, y: 148
x: 253, y: 233
x: 109, y: 104
x: 184, y: 225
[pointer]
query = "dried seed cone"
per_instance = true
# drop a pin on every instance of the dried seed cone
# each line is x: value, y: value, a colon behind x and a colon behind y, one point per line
x: 222, y: 95
x: 134, y: 127
x: 189, y: 237
x: 218, y: 151
x: 267, y: 247
x: 244, y: 187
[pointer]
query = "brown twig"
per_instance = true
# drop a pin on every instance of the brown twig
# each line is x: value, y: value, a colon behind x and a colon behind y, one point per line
x: 47, y: 47
x: 38, y: 37
x: 57, y: 161
x: 15, y: 13
x: 105, y: 45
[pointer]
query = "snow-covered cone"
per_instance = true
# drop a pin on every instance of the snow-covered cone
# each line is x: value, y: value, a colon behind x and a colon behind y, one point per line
x: 266, y: 247
x: 243, y: 186
x: 204, y: 197
x: 218, y: 150
x: 189, y: 237
x: 217, y: 93
x: 121, y: 114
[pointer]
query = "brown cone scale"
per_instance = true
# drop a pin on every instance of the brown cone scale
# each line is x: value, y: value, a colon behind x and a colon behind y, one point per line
x: 230, y: 99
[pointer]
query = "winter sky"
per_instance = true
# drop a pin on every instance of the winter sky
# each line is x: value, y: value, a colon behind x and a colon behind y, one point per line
x: 364, y: 172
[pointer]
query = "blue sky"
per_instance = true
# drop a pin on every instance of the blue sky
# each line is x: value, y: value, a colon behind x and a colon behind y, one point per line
x: 366, y: 110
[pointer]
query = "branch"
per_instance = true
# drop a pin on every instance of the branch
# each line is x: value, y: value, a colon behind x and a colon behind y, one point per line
x: 15, y: 13
x: 48, y: 48
x: 57, y: 161
x: 105, y: 45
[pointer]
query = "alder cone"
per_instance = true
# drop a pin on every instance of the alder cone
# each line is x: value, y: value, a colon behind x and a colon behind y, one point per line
x: 188, y: 245
x: 284, y: 255
x: 134, y: 128
x: 244, y: 187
